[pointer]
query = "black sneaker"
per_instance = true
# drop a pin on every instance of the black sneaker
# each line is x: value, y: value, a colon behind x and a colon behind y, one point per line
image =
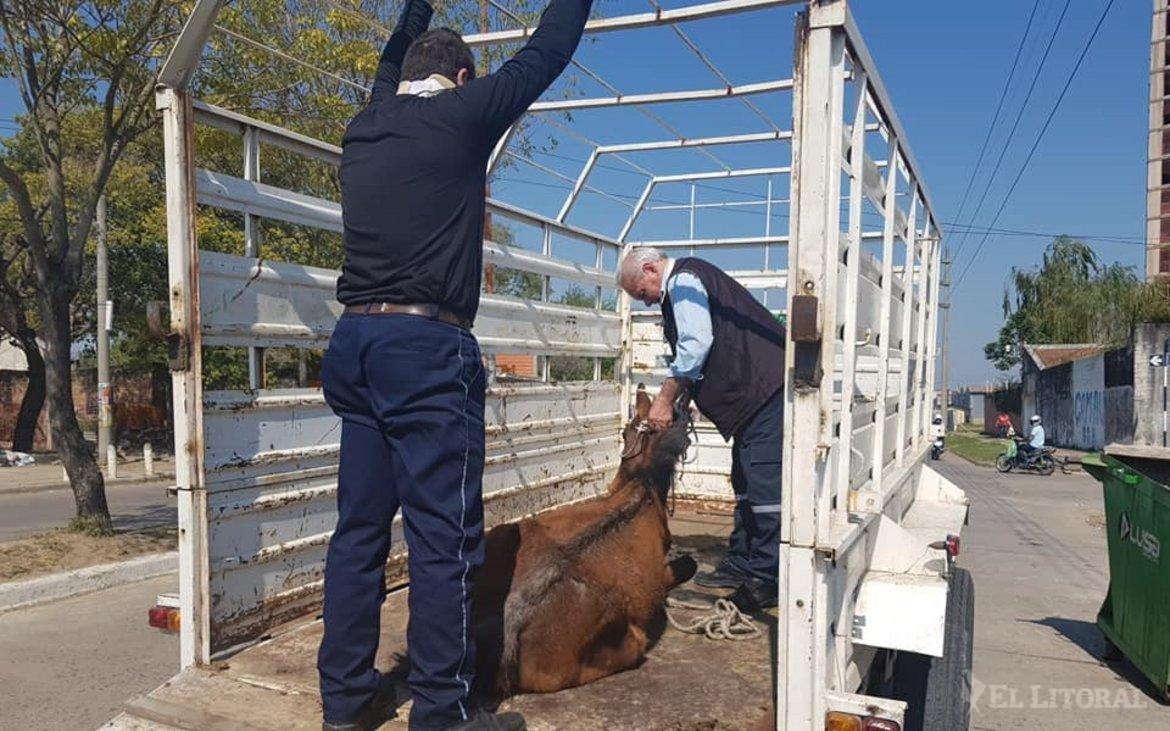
x: 380, y: 709
x: 482, y: 720
x: 753, y: 595
x: 725, y: 576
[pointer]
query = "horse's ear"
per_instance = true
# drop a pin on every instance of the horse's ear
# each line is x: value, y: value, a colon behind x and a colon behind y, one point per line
x: 642, y: 403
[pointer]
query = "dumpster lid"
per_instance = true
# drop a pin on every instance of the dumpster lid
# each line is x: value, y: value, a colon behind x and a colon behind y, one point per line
x: 1138, y: 451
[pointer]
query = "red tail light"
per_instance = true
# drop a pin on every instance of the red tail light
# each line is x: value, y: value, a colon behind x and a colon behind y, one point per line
x: 952, y: 546
x: 164, y: 618
x: 879, y: 724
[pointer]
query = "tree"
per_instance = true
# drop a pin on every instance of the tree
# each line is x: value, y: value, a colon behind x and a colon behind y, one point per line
x: 73, y: 61
x: 17, y: 283
x: 1073, y: 298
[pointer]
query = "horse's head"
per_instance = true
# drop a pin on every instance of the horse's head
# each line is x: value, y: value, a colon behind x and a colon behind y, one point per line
x: 651, y: 454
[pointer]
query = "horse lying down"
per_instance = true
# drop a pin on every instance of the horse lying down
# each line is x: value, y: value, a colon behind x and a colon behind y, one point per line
x: 569, y: 596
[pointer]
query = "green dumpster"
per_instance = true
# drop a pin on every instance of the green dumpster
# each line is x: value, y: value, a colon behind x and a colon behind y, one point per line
x: 1135, y: 616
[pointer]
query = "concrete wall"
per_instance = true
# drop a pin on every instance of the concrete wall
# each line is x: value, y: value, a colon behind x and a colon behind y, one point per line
x: 1148, y: 339
x: 1085, y: 404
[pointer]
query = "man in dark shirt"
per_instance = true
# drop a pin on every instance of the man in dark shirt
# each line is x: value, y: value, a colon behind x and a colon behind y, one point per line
x: 728, y: 352
x: 403, y: 370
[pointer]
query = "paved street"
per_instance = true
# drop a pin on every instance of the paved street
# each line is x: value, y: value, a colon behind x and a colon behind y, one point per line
x: 72, y: 664
x: 1036, y: 548
x: 134, y: 505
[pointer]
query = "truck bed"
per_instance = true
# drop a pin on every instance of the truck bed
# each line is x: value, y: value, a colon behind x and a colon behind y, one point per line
x: 687, y: 682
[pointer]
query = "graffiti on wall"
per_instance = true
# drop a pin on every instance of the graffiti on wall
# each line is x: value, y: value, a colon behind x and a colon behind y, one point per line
x: 1089, y: 418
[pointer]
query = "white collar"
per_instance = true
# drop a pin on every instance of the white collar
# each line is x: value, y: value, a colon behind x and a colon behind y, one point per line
x: 428, y: 87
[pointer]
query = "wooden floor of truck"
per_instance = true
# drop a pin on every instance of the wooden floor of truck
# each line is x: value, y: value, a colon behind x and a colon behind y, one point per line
x: 688, y: 682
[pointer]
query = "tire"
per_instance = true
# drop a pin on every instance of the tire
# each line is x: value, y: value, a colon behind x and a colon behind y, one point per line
x: 1003, y: 463
x: 937, y: 689
x: 1045, y: 464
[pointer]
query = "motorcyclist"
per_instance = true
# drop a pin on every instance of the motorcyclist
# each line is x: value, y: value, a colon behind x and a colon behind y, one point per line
x: 1035, y: 441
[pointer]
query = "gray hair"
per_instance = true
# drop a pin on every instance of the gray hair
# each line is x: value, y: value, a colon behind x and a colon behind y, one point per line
x: 635, y: 257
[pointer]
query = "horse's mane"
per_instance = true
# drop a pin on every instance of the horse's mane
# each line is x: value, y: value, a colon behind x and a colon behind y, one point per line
x: 649, y: 483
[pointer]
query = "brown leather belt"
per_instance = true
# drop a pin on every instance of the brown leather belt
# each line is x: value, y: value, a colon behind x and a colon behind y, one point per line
x: 433, y: 312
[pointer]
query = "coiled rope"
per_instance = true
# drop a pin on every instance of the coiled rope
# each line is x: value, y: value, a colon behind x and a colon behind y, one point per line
x: 721, y: 620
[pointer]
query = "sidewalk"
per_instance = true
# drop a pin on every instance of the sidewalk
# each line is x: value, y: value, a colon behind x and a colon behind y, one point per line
x: 47, y: 474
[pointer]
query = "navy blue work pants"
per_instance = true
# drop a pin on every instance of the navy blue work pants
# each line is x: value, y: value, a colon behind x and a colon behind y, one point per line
x: 410, y: 394
x: 754, y: 546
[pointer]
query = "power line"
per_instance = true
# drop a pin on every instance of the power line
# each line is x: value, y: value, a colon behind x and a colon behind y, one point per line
x: 998, y: 109
x: 1015, y: 125
x: 1039, y: 137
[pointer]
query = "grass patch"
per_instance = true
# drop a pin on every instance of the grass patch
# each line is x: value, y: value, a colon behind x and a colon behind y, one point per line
x: 972, y: 446
x: 62, y: 550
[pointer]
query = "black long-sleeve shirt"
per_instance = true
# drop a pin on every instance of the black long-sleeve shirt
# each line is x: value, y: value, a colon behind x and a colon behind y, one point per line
x: 413, y: 169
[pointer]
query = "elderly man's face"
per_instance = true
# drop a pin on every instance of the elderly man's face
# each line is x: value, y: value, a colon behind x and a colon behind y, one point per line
x: 647, y: 286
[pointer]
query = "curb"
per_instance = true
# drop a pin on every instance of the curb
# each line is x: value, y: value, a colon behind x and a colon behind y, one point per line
x: 23, y: 594
x: 164, y: 480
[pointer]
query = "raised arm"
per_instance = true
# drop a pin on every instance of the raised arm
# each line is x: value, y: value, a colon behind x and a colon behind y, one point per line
x: 500, y: 98
x: 416, y: 16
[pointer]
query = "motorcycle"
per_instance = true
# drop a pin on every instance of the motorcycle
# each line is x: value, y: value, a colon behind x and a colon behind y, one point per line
x: 937, y: 447
x: 1041, y: 461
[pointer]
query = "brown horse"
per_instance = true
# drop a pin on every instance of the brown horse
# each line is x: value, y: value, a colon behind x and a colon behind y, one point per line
x: 573, y: 595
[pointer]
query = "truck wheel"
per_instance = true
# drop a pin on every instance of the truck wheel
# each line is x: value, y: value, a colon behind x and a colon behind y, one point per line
x: 937, y: 689
x: 1003, y: 463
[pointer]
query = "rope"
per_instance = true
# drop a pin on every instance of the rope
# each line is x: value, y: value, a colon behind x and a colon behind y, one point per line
x: 722, y: 621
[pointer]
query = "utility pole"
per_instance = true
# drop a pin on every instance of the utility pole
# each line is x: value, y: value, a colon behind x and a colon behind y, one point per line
x: 946, y: 345
x: 104, y: 313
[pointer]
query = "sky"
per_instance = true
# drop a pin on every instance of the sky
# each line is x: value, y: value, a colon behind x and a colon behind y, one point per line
x: 944, y: 65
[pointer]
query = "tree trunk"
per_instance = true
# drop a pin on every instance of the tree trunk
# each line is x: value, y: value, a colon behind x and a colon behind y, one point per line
x: 24, y: 435
x: 89, y: 493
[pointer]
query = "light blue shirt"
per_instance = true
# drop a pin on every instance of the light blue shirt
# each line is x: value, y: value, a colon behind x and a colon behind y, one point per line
x: 1037, y: 437
x: 692, y: 320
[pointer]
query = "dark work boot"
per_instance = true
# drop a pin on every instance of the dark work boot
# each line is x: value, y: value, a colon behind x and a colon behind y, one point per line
x: 381, y: 708
x: 482, y: 720
x: 753, y: 595
x: 725, y: 576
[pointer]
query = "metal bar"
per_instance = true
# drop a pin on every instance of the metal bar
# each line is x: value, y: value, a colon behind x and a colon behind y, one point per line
x: 636, y: 212
x: 922, y: 302
x: 694, y: 142
x: 270, y: 134
x: 561, y: 176
x: 814, y: 229
x: 252, y: 244
x: 714, y: 242
x: 700, y: 206
x: 578, y: 185
x: 663, y: 97
x: 886, y: 331
x: 637, y: 20
x: 180, y: 65
x: 719, y: 174
x: 852, y: 251
x: 908, y: 271
x: 182, y: 269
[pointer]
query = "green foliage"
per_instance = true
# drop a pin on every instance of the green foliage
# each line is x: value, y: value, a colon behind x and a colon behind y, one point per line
x: 1072, y: 297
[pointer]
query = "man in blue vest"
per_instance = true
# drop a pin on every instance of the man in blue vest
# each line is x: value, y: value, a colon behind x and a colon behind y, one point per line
x: 728, y: 352
x: 403, y: 370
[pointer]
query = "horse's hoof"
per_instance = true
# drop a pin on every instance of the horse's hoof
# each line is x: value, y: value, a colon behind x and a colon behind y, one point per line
x: 683, y: 568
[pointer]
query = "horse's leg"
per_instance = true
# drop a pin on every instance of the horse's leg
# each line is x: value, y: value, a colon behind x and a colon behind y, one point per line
x: 679, y: 571
x: 610, y: 659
